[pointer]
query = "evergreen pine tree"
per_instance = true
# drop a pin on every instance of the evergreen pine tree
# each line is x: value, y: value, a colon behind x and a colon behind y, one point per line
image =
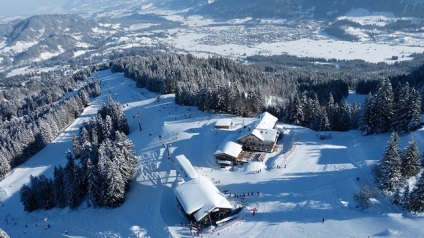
x: 367, y: 125
x: 125, y: 155
x: 384, y: 106
x: 345, y: 116
x: 414, y: 111
x: 389, y: 177
x: 417, y: 196
x: 4, y: 166
x: 324, y: 124
x: 400, y: 108
x: 107, y: 128
x: 410, y: 160
x: 76, y: 146
x: 296, y: 113
x: 58, y: 187
x: 112, y: 183
x: 115, y: 186
x: 84, y: 97
x: 314, y: 112
x: 405, y: 201
x: 28, y: 198
x: 94, y: 183
x: 46, y: 132
x: 72, y: 182
x: 44, y: 190
x: 331, y: 109
x: 397, y: 197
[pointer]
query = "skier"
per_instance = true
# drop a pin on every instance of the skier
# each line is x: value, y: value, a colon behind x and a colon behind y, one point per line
x: 323, y: 220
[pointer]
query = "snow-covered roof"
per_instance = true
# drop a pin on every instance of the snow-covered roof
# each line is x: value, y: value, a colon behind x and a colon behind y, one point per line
x: 200, y: 196
x: 267, y: 121
x: 223, y: 123
x: 230, y: 148
x: 185, y: 168
x: 266, y: 135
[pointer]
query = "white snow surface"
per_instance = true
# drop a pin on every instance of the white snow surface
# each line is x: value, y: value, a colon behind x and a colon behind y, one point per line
x: 319, y: 180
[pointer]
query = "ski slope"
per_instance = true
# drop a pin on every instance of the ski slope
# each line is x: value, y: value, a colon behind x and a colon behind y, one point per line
x: 319, y: 180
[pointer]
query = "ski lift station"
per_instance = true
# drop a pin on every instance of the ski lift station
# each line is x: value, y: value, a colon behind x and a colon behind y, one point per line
x: 198, y: 196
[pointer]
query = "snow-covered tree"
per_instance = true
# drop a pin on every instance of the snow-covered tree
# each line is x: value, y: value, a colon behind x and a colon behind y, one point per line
x: 107, y: 128
x: 4, y: 166
x: 416, y: 203
x: 324, y: 124
x: 113, y: 185
x: 94, y: 188
x: 126, y: 157
x: 59, y: 195
x: 414, y: 111
x: 296, y: 114
x: 389, y: 176
x: 411, y: 163
x: 405, y: 200
x: 43, y: 190
x: 342, y: 121
x: 400, y: 108
x: 364, y: 196
x: 72, y: 183
x: 312, y: 110
x: 368, y: 118
x: 28, y: 198
x: 83, y: 95
x: 384, y: 106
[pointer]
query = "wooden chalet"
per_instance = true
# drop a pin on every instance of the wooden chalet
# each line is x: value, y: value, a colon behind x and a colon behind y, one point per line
x: 198, y: 197
x: 263, y: 137
x: 228, y: 153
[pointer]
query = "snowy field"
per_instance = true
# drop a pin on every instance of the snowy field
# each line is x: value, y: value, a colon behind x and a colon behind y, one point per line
x: 319, y: 180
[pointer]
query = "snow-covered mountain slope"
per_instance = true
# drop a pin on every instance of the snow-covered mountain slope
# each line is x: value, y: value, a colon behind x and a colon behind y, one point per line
x: 42, y: 37
x: 218, y: 8
x: 317, y: 179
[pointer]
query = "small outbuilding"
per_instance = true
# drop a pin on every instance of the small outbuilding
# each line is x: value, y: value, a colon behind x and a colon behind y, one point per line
x: 224, y: 124
x: 228, y: 153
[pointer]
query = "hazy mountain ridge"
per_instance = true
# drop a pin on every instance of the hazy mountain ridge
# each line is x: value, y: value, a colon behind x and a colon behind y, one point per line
x: 305, y: 8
